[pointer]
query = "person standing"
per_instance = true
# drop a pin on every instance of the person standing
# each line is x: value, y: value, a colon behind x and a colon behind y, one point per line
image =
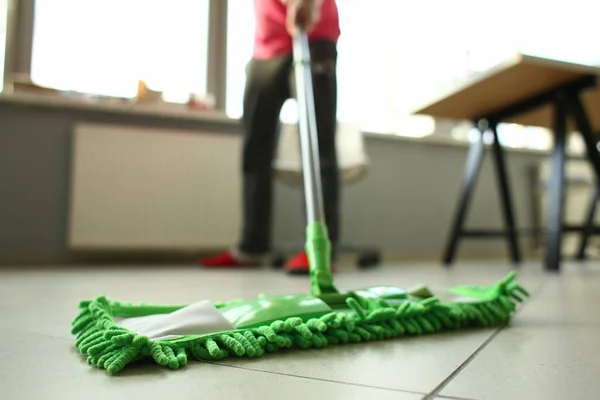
x: 269, y: 83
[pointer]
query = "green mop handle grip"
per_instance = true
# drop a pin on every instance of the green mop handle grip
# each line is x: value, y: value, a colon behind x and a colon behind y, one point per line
x: 318, y: 245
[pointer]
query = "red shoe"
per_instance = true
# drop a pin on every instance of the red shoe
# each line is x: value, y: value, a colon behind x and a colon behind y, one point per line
x: 225, y: 260
x: 299, y: 265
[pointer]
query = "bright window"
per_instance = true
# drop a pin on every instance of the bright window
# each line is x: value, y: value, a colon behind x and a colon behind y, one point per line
x: 365, y: 65
x: 105, y: 46
x: 240, y: 42
x: 566, y: 33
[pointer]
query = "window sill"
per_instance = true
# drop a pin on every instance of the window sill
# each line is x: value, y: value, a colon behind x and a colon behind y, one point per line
x: 180, y: 112
x: 447, y: 141
x: 118, y: 106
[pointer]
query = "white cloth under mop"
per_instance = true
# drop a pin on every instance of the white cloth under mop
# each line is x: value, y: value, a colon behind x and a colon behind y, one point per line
x: 196, y: 319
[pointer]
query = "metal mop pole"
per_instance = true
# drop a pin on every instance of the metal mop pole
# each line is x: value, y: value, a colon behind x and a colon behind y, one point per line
x: 318, y: 246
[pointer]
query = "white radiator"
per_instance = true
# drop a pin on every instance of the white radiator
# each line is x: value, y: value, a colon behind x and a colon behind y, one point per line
x: 138, y: 188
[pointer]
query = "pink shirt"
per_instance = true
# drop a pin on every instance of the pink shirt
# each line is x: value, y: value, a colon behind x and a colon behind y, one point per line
x: 272, y: 38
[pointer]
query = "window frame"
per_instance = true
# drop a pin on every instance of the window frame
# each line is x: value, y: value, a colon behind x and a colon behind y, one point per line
x: 19, y: 39
x: 19, y: 44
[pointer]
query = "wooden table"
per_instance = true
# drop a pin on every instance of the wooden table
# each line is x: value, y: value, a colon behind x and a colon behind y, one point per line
x: 529, y: 91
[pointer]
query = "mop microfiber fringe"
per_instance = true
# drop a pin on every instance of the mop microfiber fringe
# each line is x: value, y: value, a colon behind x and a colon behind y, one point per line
x: 365, y: 317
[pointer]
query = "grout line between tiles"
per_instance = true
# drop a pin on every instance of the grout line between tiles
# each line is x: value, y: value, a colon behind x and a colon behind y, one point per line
x: 438, y: 389
x: 434, y: 393
x: 453, y: 398
x: 318, y: 379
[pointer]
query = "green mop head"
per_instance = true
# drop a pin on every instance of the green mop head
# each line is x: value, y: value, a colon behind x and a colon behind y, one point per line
x: 114, y: 334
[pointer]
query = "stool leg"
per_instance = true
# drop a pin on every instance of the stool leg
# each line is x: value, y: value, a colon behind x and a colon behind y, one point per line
x: 589, y: 225
x: 505, y: 198
x: 556, y: 188
x: 472, y: 166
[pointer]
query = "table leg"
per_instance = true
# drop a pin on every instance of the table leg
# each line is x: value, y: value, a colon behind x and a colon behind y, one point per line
x: 591, y: 143
x: 588, y: 228
x: 556, y: 187
x: 505, y: 198
x: 583, y: 125
x: 472, y: 166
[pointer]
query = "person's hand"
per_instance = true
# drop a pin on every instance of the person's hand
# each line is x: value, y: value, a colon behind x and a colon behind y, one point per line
x: 302, y: 13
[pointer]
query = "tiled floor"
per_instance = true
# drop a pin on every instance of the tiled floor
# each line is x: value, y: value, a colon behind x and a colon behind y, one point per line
x: 550, y: 351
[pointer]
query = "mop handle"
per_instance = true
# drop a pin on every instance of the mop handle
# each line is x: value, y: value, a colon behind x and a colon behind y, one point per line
x: 308, y: 129
x: 318, y: 246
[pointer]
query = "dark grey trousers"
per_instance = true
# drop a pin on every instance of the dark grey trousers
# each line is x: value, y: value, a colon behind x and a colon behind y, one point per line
x: 269, y: 84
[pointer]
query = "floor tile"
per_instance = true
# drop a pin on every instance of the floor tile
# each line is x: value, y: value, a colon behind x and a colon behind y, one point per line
x: 567, y: 298
x: 550, y: 350
x: 416, y: 364
x: 42, y: 367
x: 534, y: 362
